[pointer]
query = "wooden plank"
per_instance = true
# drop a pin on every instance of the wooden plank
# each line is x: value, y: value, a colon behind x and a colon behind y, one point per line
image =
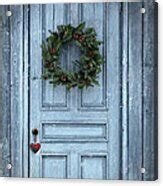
x: 74, y: 19
x: 35, y: 70
x: 1, y: 44
x: 135, y: 91
x: 150, y: 141
x: 125, y: 93
x: 1, y: 88
x: 16, y: 25
x: 25, y: 92
x: 6, y: 153
x: 113, y: 57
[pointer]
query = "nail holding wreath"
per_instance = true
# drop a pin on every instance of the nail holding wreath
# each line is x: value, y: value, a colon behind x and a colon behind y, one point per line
x: 89, y: 64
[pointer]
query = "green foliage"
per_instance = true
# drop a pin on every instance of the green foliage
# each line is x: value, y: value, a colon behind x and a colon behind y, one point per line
x: 88, y: 65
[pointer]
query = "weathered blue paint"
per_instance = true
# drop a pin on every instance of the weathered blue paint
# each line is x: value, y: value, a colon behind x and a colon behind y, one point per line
x: 150, y: 92
x: 6, y: 153
x: 99, y: 133
x: 26, y: 47
x: 113, y: 53
x: 16, y: 87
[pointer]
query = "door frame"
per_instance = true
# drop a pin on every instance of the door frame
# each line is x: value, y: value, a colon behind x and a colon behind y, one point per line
x: 16, y: 72
x: 15, y: 91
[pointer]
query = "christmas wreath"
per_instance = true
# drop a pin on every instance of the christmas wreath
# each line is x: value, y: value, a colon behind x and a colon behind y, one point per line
x: 88, y: 65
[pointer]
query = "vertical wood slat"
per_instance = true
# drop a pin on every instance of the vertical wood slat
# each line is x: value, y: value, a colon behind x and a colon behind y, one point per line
x: 1, y: 86
x: 25, y: 92
x: 135, y: 91
x: 150, y: 154
x: 114, y: 116
x: 6, y: 153
x: 16, y: 61
x: 125, y: 95
x: 35, y: 63
x: 74, y: 20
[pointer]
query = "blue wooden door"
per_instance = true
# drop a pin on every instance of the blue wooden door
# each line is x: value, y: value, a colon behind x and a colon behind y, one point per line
x: 74, y: 126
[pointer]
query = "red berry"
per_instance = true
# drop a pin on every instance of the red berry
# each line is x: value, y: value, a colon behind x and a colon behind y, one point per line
x: 75, y: 36
x: 81, y: 38
x: 63, y: 78
x: 90, y: 54
x: 46, y: 64
x: 52, y: 50
x: 65, y: 33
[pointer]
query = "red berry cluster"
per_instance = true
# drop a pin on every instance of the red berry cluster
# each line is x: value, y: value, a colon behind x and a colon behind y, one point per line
x: 78, y: 37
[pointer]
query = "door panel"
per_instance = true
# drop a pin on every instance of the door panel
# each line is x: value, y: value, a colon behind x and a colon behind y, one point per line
x: 54, y: 166
x: 74, y: 131
x: 93, y: 167
x: 53, y: 16
x: 95, y: 98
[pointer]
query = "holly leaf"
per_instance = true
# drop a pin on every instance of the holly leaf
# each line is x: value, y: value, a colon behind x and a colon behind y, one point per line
x: 96, y: 82
x: 90, y: 32
x: 78, y: 64
x: 61, y: 28
x: 80, y: 86
x: 78, y: 43
x: 80, y: 27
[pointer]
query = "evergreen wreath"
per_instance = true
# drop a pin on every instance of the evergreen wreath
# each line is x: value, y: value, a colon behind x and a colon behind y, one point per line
x: 88, y: 65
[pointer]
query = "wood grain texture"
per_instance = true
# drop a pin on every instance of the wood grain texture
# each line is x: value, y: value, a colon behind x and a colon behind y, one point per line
x: 1, y: 87
x: 26, y: 57
x: 16, y: 91
x: 147, y: 144
x: 135, y: 91
x: 125, y: 92
x: 6, y: 148
x: 35, y: 85
x: 150, y: 92
x: 113, y: 53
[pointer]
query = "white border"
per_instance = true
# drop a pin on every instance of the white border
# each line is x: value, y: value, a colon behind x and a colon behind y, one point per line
x: 52, y: 182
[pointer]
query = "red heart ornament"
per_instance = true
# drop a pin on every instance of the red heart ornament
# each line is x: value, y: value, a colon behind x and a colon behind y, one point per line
x: 35, y: 147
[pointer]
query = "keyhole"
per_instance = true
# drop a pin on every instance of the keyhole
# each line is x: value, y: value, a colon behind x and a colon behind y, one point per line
x: 35, y: 131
